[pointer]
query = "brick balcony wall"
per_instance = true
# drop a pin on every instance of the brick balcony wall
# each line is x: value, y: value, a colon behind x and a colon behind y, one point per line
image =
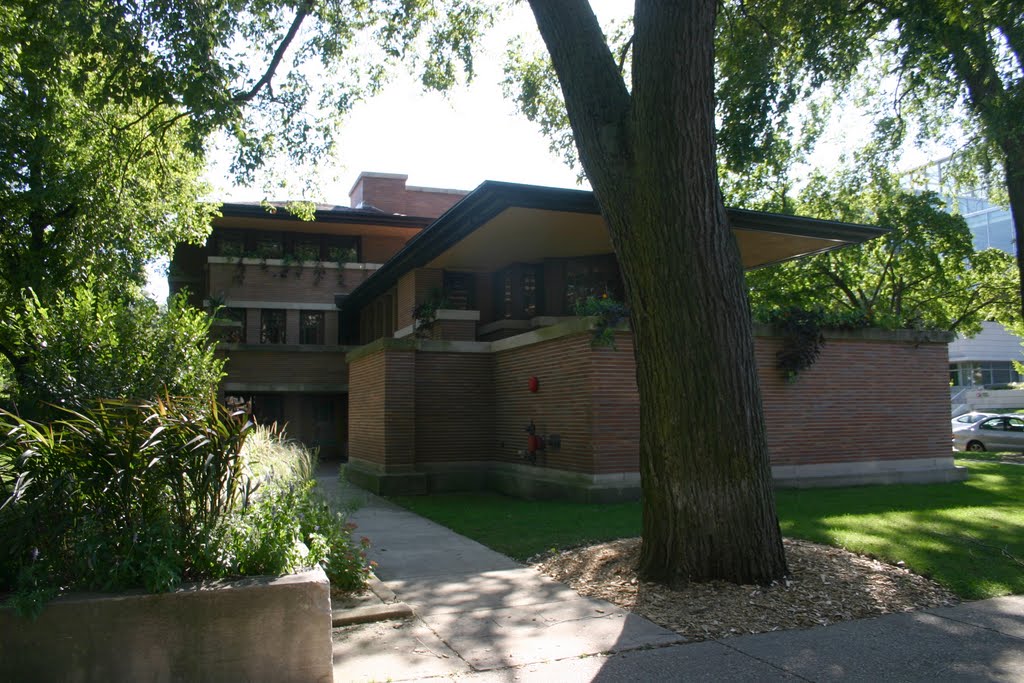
x: 562, y: 405
x: 259, y: 283
x: 265, y: 364
x: 382, y: 410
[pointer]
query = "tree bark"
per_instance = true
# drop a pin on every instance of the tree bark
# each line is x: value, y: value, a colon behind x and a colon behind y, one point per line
x: 709, y: 510
x: 1014, y: 167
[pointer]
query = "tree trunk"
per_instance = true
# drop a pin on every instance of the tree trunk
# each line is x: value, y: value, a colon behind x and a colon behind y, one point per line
x: 1014, y: 167
x: 708, y: 510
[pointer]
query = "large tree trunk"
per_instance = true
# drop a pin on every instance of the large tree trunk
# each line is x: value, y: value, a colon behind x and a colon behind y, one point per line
x: 1014, y: 167
x: 709, y: 510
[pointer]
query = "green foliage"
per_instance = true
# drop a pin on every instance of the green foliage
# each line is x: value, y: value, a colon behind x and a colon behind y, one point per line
x: 90, y: 344
x: 803, y: 334
x: 287, y: 526
x: 118, y: 495
x: 608, y: 312
x: 149, y: 494
x: 424, y: 315
x: 924, y: 274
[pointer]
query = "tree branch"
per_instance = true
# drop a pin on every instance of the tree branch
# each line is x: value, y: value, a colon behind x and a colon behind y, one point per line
x: 622, y: 54
x: 300, y: 15
x: 841, y: 284
x: 595, y: 94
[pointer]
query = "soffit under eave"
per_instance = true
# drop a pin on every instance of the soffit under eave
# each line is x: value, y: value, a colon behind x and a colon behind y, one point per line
x: 522, y: 235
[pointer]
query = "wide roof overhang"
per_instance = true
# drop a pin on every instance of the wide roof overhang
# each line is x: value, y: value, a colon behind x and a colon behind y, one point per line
x: 503, y: 223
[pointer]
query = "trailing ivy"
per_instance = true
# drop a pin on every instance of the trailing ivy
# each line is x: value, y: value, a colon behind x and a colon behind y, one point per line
x: 803, y: 334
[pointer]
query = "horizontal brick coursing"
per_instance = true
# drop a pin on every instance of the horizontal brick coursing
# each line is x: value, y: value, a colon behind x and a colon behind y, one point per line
x: 380, y: 249
x: 266, y: 284
x: 615, y: 419
x: 454, y: 407
x: 366, y: 420
x: 562, y: 405
x: 287, y: 367
x: 861, y: 400
x: 392, y: 196
x: 453, y: 330
x: 382, y: 410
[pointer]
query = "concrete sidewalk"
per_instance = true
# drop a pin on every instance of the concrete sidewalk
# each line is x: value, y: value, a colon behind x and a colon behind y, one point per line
x: 480, y: 616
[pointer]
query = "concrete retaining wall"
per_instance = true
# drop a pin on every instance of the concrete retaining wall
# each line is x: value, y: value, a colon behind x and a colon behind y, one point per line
x: 258, y: 629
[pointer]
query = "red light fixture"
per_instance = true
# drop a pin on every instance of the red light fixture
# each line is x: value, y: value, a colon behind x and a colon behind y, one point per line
x: 534, y: 384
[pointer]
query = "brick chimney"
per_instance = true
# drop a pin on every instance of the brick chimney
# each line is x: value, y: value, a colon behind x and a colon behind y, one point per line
x: 388, y: 192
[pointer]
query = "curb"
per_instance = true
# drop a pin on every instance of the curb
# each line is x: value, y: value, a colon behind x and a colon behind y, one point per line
x: 391, y: 607
x: 364, y: 615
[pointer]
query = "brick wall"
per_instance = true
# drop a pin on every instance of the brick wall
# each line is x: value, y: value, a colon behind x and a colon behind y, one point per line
x: 381, y: 413
x: 266, y: 284
x: 861, y: 400
x: 283, y: 366
x: 454, y: 407
x: 454, y: 330
x: 561, y: 406
x: 380, y: 249
x: 389, y: 193
x: 615, y: 406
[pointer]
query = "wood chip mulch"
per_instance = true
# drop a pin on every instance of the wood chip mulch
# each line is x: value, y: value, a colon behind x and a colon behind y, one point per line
x: 826, y: 585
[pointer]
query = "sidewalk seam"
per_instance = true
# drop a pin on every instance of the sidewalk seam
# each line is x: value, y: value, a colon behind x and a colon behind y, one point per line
x: 762, y: 661
x: 973, y: 625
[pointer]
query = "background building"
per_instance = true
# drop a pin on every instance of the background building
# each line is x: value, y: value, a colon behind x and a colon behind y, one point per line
x: 987, y: 358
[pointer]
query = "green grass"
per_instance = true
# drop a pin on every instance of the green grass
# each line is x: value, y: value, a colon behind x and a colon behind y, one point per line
x: 524, y: 528
x: 968, y: 536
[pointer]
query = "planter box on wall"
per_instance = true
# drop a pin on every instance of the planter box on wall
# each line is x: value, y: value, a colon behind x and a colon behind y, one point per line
x: 256, y: 629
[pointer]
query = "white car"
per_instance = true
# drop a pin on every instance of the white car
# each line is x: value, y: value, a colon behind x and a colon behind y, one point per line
x: 998, y: 433
x: 967, y: 419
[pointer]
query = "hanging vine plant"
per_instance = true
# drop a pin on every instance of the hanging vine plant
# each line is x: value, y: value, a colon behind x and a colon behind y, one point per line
x: 803, y: 336
x: 802, y: 339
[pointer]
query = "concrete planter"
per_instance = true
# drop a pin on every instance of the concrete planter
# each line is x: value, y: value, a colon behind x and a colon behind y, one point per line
x: 256, y: 629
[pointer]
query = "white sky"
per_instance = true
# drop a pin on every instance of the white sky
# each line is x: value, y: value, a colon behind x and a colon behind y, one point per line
x: 457, y: 141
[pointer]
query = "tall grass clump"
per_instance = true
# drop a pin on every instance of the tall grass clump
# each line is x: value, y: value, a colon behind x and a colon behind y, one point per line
x: 149, y: 494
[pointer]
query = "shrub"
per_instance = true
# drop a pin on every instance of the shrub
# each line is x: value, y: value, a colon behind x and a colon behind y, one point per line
x: 90, y: 345
x: 149, y: 494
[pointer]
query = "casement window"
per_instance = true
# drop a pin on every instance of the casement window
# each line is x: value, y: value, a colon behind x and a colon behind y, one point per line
x: 342, y: 249
x: 519, y: 291
x: 311, y: 327
x: 460, y: 291
x: 272, y: 326
x: 591, y: 277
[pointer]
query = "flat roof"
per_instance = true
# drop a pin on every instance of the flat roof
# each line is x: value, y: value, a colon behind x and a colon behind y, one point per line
x: 491, y: 198
x: 324, y: 213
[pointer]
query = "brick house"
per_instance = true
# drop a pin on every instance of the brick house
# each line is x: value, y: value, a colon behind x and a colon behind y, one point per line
x: 318, y: 325
x: 276, y: 278
x: 504, y: 390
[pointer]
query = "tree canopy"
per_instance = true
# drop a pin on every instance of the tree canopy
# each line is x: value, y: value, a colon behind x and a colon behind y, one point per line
x: 925, y: 274
x: 106, y: 109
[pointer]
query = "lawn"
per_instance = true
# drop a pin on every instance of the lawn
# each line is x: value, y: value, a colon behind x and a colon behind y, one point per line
x: 968, y: 536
